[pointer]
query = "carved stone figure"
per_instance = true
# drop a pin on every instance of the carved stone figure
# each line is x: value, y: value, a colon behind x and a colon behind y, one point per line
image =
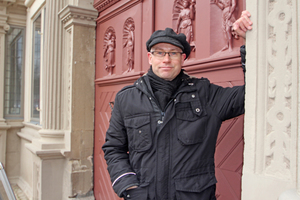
x: 186, y: 16
x: 129, y: 43
x: 228, y: 7
x: 109, y: 50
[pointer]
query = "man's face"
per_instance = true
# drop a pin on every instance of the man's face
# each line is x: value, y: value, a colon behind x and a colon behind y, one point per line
x: 166, y: 67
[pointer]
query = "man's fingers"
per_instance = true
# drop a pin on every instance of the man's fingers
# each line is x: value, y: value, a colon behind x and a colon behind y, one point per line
x: 239, y: 25
x: 246, y: 12
x: 239, y: 29
x: 245, y: 16
x: 242, y: 25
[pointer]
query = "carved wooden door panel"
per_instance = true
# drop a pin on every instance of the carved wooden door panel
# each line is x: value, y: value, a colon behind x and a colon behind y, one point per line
x: 123, y: 27
x: 121, y: 58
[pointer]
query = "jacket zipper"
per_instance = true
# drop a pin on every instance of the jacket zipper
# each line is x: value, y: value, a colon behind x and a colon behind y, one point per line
x: 162, y: 116
x: 160, y: 123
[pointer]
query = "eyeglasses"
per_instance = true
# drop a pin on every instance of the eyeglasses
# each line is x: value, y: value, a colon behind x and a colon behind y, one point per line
x: 161, y: 54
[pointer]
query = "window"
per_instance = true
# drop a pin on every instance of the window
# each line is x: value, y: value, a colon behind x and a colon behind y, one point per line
x: 36, y: 69
x: 14, y: 67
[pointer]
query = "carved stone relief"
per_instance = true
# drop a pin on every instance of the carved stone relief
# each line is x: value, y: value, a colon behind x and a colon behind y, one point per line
x: 280, y: 76
x: 71, y: 15
x: 228, y: 8
x: 36, y: 180
x: 109, y: 50
x: 68, y: 79
x: 128, y: 43
x: 104, y: 4
x: 184, y: 17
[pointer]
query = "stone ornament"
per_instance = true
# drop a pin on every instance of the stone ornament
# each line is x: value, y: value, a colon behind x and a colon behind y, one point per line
x: 184, y: 16
x: 128, y: 43
x: 282, y: 91
x: 109, y: 50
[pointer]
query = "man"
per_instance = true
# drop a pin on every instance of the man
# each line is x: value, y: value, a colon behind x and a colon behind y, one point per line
x: 162, y: 135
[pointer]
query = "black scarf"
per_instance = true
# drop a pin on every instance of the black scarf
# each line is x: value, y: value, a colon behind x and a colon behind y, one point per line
x: 163, y: 89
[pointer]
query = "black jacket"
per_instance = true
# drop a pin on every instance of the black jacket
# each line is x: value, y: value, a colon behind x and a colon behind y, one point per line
x: 170, y: 154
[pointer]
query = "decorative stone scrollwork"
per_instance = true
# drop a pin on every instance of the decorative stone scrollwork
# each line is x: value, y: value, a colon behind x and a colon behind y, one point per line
x: 278, y: 141
x: 184, y: 17
x: 36, y: 179
x: 71, y: 15
x: 228, y: 8
x: 128, y: 43
x: 109, y: 49
x: 6, y: 27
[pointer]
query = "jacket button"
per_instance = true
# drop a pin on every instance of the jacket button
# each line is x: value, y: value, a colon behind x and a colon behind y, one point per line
x: 128, y: 196
x: 159, y: 122
x: 193, y: 96
x: 197, y: 109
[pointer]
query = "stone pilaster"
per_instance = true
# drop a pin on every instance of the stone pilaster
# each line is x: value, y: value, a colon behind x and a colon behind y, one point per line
x: 271, y: 125
x: 79, y: 73
x: 4, y: 27
x: 294, y: 193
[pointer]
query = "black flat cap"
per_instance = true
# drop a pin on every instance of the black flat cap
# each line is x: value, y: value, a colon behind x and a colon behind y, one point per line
x: 169, y: 36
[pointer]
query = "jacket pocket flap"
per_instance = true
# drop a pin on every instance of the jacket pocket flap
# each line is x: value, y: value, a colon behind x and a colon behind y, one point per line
x: 137, y: 121
x: 196, y: 183
x: 198, y: 109
x: 191, y: 111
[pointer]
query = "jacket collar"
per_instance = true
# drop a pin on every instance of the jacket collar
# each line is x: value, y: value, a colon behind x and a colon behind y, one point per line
x: 143, y: 84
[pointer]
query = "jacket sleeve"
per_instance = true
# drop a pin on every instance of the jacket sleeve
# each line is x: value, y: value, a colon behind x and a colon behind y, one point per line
x: 116, y: 153
x: 229, y: 102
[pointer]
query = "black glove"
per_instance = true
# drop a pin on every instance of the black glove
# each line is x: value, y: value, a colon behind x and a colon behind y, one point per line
x: 243, y: 57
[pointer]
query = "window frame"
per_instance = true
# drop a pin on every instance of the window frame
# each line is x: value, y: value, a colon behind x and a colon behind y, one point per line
x: 8, y: 55
x: 33, y: 119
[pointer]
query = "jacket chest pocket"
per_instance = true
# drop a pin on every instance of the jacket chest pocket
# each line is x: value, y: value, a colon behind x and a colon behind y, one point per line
x: 139, y: 132
x: 191, y: 122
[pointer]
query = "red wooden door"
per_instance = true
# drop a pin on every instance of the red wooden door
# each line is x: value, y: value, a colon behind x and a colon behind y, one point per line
x: 123, y: 28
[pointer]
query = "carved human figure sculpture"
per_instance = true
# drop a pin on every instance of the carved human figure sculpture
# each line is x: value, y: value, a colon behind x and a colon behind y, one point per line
x: 129, y: 44
x: 109, y: 52
x: 185, y: 19
x: 228, y: 7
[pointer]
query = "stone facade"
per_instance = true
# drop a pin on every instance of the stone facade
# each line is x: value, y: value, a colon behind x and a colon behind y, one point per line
x: 51, y: 158
x: 271, y: 158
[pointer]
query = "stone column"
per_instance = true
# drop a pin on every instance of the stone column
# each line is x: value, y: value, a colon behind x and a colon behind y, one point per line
x: 52, y: 133
x: 271, y: 125
x: 52, y: 75
x: 4, y: 27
